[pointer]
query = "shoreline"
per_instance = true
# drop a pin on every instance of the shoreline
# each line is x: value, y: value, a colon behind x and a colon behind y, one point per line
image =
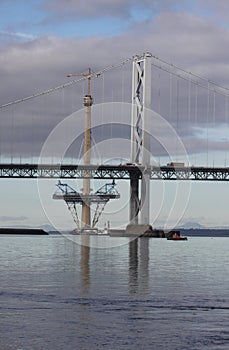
x: 118, y: 233
x: 22, y: 231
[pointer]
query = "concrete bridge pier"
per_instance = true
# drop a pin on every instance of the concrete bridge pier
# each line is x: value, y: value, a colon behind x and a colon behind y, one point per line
x: 145, y: 199
x: 134, y: 198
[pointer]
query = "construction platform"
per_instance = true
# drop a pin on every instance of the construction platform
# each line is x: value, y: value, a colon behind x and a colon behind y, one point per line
x: 100, y: 198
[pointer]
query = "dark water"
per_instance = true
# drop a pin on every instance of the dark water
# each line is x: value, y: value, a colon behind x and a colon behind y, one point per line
x: 146, y: 294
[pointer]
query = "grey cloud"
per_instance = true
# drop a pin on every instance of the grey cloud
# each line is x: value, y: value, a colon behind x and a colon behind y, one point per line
x: 99, y: 8
x: 216, y: 9
x: 62, y: 10
x: 26, y: 68
x: 87, y: 9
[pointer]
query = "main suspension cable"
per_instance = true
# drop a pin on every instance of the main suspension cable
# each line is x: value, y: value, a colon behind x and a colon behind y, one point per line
x: 113, y: 66
x: 193, y: 81
x: 48, y: 91
x: 211, y: 82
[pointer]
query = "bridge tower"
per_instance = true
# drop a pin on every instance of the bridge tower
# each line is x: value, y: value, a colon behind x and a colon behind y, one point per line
x: 140, y: 137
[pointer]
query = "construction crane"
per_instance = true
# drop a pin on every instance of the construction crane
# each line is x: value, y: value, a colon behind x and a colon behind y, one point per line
x: 86, y: 199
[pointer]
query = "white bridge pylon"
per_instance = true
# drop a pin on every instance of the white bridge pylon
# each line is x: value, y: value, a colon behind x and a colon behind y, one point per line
x: 140, y: 133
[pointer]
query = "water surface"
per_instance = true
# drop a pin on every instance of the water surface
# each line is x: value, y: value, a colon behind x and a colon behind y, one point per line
x: 143, y: 294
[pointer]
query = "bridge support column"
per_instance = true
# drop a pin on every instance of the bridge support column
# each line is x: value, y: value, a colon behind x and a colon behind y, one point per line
x: 134, y: 198
x: 145, y: 199
x: 140, y: 127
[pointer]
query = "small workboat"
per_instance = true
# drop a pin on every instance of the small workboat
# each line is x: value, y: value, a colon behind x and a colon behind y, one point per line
x: 175, y: 236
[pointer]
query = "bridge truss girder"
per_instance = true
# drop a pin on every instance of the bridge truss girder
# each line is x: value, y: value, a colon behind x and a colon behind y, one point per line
x: 110, y: 172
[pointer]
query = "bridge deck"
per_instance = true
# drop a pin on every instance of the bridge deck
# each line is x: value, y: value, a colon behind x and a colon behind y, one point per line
x: 47, y: 171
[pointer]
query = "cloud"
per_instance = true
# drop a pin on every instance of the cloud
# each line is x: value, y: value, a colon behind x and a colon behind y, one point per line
x: 87, y: 9
x: 28, y: 67
x: 216, y: 9
x: 18, y: 35
x: 132, y: 9
x: 102, y: 8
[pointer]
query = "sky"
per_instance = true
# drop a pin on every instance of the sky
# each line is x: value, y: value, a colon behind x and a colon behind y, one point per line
x: 43, y: 40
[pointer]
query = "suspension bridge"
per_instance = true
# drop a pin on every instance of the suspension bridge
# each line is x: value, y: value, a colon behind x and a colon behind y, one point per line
x: 174, y: 124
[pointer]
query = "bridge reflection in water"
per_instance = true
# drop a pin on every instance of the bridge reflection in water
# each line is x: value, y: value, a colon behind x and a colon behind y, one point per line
x: 85, y: 263
x: 138, y: 265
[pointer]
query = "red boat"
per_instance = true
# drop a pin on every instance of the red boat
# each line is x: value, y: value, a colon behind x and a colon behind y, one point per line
x: 175, y: 236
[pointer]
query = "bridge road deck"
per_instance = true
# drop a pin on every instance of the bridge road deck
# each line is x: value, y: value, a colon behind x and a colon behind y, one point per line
x: 123, y: 172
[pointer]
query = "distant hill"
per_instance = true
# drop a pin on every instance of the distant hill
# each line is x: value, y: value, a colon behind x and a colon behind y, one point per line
x: 192, y: 225
x: 204, y: 232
